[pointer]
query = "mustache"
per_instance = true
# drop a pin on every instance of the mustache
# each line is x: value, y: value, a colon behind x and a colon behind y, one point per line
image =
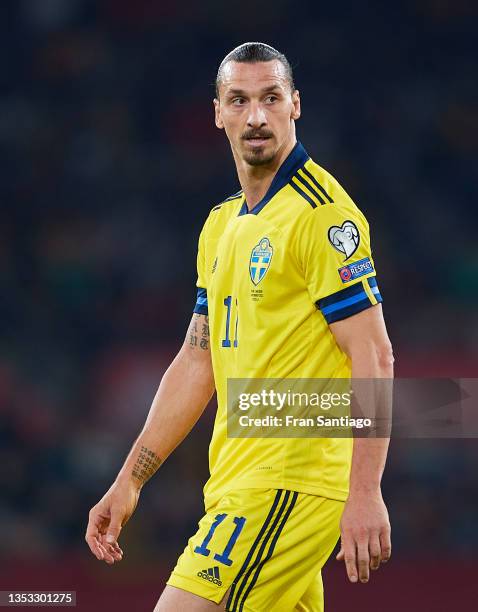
x: 256, y: 134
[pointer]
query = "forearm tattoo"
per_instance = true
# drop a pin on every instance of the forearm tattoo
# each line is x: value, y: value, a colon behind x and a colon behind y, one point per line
x: 199, y: 332
x: 146, y: 465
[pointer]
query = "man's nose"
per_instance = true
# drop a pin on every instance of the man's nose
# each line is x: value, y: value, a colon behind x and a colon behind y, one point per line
x: 257, y: 117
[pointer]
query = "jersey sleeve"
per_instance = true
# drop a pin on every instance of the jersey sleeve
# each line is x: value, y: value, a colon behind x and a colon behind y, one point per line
x: 201, y: 299
x: 337, y: 261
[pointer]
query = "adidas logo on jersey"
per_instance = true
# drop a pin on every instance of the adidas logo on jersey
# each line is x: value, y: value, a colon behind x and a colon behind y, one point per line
x: 211, y: 575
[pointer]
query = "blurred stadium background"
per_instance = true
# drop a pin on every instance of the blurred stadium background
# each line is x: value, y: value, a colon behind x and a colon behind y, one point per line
x: 110, y: 162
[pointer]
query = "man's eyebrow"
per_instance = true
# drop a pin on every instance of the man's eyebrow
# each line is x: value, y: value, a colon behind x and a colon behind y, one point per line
x: 235, y: 92
x: 241, y: 92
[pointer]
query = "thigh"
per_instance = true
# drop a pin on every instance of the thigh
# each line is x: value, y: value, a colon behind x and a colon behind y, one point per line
x: 178, y: 600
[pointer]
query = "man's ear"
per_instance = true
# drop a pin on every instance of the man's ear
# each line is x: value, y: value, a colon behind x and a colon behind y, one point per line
x: 295, y: 105
x: 217, y: 114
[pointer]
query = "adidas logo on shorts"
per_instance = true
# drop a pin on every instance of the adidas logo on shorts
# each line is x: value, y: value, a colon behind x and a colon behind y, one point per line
x: 211, y: 575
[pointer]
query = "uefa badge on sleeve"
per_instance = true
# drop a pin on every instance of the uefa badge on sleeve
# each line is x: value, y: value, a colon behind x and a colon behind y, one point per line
x: 345, y: 239
x: 345, y: 274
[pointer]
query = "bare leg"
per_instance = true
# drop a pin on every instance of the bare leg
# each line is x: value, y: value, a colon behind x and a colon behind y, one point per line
x: 177, y: 600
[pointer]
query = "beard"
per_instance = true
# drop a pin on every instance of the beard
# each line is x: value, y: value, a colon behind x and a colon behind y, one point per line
x: 258, y: 158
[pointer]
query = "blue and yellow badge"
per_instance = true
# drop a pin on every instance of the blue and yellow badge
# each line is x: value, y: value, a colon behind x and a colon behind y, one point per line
x: 260, y: 260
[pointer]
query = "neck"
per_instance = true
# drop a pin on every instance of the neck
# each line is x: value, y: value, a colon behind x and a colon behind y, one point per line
x: 256, y: 180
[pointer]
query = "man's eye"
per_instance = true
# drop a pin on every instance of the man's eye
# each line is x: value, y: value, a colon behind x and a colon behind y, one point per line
x: 238, y: 101
x: 271, y: 99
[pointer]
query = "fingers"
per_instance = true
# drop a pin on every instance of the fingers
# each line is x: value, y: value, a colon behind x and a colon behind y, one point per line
x: 363, y: 558
x: 112, y: 552
x: 118, y: 552
x: 98, y: 541
x: 365, y: 536
x: 109, y: 541
x: 102, y: 550
x: 95, y: 547
x: 364, y: 552
x: 385, y: 544
x: 92, y: 537
x: 114, y: 528
x: 374, y: 551
x: 349, y: 556
x: 107, y: 557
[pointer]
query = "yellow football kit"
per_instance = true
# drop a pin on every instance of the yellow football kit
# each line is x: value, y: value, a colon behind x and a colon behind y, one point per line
x: 266, y: 545
x: 271, y: 281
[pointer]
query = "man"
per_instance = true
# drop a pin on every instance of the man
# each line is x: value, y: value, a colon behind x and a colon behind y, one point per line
x: 278, y: 297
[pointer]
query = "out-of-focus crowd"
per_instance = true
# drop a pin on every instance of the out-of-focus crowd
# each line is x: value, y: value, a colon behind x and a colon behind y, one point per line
x: 109, y: 163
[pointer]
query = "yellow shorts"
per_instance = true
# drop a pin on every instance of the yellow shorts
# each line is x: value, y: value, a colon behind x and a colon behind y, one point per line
x: 267, y: 545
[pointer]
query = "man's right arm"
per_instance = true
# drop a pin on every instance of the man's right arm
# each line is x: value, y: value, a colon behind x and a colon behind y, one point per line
x: 184, y: 392
x: 182, y: 396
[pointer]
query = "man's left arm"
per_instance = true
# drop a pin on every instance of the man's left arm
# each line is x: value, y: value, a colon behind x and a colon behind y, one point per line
x: 365, y: 527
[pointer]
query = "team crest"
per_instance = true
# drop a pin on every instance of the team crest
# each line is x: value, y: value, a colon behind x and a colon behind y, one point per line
x: 260, y: 260
x: 345, y: 239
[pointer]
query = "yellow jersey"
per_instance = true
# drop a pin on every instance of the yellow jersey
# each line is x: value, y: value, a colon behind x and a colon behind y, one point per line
x: 271, y: 281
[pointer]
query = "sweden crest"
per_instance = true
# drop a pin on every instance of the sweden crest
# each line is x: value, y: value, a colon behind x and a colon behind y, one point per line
x: 260, y: 260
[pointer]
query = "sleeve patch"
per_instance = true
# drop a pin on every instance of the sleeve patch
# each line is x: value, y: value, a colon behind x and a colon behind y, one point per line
x: 344, y: 239
x: 356, y: 270
x: 201, y: 302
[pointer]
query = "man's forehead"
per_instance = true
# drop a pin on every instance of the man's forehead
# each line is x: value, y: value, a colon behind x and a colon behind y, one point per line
x: 257, y: 75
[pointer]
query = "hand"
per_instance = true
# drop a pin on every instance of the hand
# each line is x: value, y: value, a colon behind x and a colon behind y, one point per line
x: 365, y: 535
x: 106, y: 520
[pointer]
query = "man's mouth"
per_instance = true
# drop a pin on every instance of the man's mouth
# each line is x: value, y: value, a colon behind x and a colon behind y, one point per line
x: 257, y: 140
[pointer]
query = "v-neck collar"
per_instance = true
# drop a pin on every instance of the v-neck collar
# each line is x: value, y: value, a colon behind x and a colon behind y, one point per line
x: 295, y: 160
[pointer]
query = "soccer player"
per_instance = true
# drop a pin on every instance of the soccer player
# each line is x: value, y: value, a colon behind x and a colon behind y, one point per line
x: 286, y: 289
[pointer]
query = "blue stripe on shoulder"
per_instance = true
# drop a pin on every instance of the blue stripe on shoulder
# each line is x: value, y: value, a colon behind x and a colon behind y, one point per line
x: 317, y: 184
x: 303, y: 194
x: 310, y: 187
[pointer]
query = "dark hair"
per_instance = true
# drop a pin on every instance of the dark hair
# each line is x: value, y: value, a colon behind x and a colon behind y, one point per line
x: 252, y: 52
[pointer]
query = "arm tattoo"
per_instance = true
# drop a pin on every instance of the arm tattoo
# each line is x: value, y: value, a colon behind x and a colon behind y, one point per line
x: 199, y: 337
x: 146, y: 465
